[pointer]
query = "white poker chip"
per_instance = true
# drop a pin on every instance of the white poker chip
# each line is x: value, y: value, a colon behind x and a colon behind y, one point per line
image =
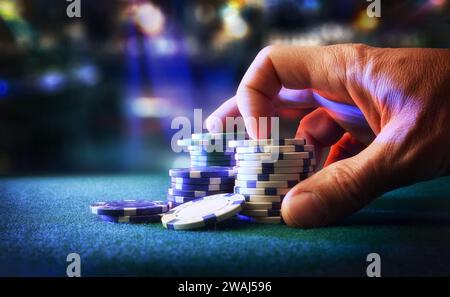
x: 261, y: 212
x: 262, y: 142
x: 261, y: 220
x: 265, y: 184
x: 262, y: 205
x: 203, y: 211
x: 274, y: 156
x: 274, y: 177
x: 280, y: 163
x: 275, y: 148
x: 275, y: 170
x: 264, y: 198
x: 261, y: 191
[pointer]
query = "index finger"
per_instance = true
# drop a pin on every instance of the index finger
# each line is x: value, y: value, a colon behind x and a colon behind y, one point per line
x: 321, y: 69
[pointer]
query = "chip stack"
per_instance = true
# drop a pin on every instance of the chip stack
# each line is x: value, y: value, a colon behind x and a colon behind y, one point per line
x: 266, y: 170
x: 211, y: 170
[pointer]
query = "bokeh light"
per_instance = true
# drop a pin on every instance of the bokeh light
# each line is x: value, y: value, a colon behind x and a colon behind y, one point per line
x: 149, y: 107
x: 149, y: 18
x: 365, y: 23
x: 234, y: 25
x: 4, y: 87
x: 9, y: 10
x: 52, y: 81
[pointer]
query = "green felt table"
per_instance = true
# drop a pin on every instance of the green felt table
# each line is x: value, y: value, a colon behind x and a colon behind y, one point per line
x: 43, y: 219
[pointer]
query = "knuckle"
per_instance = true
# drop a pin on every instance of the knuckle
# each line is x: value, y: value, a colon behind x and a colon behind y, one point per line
x: 355, y: 58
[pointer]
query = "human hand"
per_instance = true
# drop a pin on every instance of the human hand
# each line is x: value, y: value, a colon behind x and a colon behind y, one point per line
x: 385, y: 113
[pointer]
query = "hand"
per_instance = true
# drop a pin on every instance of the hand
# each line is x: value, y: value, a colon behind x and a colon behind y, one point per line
x: 385, y: 113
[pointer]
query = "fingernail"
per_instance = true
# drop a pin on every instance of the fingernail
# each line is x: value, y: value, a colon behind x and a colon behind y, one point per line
x: 210, y: 125
x: 306, y: 210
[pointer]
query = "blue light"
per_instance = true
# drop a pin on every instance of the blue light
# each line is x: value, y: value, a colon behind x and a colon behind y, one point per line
x: 87, y: 74
x: 4, y: 87
x: 310, y: 5
x: 51, y: 81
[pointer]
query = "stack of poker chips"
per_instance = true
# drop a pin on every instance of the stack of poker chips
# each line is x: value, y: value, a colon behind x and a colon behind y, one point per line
x: 210, y: 156
x: 266, y: 170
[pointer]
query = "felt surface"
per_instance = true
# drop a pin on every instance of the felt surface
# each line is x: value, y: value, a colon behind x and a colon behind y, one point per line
x: 43, y: 219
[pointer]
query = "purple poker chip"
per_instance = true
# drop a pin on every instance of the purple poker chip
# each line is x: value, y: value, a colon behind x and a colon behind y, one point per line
x: 129, y: 207
x: 132, y: 219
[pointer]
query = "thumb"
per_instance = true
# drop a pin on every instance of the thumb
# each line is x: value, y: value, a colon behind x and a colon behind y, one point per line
x: 339, y: 189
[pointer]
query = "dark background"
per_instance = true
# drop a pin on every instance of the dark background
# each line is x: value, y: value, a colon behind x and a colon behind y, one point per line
x: 98, y: 93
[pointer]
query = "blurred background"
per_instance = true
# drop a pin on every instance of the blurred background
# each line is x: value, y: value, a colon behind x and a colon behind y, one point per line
x: 98, y: 93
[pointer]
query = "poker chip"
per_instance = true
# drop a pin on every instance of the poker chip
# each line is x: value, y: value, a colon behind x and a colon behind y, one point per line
x: 213, y: 163
x: 201, y: 153
x: 272, y: 170
x: 273, y: 177
x: 202, y: 172
x: 261, y: 212
x: 201, y: 142
x: 129, y: 207
x: 187, y: 187
x: 213, y: 158
x: 275, y: 156
x: 209, y: 149
x: 211, y: 169
x: 265, y: 184
x: 173, y: 204
x: 266, y: 171
x: 203, y: 181
x: 275, y: 148
x: 203, y: 212
x: 141, y: 219
x: 261, y: 191
x: 180, y: 199
x: 263, y: 198
x: 261, y: 142
x: 274, y: 164
x: 262, y: 205
x: 261, y: 220
x: 193, y: 193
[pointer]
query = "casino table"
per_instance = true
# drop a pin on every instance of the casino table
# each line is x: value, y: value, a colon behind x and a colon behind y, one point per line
x: 44, y: 218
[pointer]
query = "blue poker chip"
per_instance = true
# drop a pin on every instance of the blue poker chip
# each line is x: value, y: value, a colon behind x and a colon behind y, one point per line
x: 192, y: 193
x: 129, y: 207
x: 132, y: 219
x: 203, y: 181
x: 201, y: 172
x: 209, y: 188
